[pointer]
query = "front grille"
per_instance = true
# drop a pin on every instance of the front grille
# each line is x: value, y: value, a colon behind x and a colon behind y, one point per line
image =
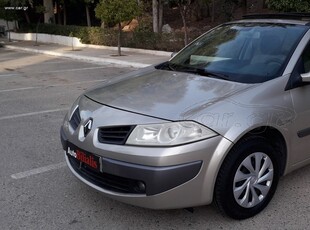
x: 114, y: 135
x: 75, y: 119
x: 105, y: 180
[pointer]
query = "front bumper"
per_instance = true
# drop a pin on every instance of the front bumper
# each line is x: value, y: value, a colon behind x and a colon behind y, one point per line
x: 129, y: 178
x: 158, y: 187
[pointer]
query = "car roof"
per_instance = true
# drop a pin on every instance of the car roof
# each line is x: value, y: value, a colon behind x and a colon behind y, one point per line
x: 280, y: 18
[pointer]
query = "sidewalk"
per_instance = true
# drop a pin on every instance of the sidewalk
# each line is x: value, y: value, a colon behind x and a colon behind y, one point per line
x: 97, y: 54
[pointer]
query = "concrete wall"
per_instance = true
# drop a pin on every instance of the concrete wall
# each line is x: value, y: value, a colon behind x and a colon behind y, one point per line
x: 48, y: 38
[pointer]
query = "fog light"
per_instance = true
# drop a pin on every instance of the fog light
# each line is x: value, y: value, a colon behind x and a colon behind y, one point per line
x: 140, y: 187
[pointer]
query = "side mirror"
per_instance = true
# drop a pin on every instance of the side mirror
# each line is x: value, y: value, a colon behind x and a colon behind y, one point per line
x: 305, y: 77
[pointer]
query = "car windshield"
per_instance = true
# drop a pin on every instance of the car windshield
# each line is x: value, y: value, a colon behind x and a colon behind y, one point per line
x: 242, y: 52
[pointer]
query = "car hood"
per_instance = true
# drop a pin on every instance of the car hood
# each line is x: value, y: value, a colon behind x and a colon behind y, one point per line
x: 165, y: 94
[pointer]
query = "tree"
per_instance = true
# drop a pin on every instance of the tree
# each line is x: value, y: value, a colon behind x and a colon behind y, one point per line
x: 49, y: 10
x: 184, y: 7
x: 26, y: 4
x: 8, y: 14
x: 157, y: 9
x: 64, y: 7
x: 87, y: 3
x: 213, y: 11
x: 200, y: 9
x: 115, y: 12
x: 244, y: 5
x: 39, y: 9
x: 229, y: 8
x: 62, y: 10
x: 289, y: 5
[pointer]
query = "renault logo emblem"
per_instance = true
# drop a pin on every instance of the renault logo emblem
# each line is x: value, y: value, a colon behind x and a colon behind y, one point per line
x: 87, y: 127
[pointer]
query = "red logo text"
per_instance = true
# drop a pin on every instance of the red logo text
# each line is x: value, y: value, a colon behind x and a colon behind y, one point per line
x: 89, y: 160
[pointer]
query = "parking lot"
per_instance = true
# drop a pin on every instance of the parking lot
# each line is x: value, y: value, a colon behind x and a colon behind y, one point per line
x: 39, y: 192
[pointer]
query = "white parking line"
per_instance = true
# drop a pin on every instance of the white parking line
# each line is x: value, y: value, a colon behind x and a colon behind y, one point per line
x: 18, y: 89
x: 56, y: 71
x: 72, y: 70
x: 38, y: 170
x: 57, y: 62
x: 75, y: 83
x: 56, y: 85
x: 10, y: 75
x: 31, y: 114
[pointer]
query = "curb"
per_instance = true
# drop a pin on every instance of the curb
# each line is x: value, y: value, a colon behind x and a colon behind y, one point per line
x: 127, y: 49
x: 81, y: 57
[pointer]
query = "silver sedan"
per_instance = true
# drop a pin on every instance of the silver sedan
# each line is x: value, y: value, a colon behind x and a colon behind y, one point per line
x: 220, y: 122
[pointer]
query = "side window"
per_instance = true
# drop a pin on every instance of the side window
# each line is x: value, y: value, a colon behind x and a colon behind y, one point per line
x: 306, y: 60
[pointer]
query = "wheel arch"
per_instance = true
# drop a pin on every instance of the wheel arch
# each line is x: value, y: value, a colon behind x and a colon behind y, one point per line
x: 274, y: 138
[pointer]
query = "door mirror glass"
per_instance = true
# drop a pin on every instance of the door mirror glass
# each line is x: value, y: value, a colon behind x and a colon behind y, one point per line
x: 305, y: 77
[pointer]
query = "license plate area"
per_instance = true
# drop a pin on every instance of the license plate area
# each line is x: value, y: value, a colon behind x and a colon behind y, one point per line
x: 84, y: 158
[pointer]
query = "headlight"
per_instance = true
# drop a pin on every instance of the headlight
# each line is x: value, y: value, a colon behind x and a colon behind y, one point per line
x: 169, y: 134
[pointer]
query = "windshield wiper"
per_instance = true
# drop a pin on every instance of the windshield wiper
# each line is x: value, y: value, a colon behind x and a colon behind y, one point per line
x: 182, y: 68
x: 166, y: 66
x: 204, y: 72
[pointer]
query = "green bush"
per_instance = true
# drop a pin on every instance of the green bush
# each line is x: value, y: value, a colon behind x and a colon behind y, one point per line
x: 142, y: 38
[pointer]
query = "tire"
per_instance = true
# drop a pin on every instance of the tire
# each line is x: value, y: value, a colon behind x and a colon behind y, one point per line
x: 247, y: 179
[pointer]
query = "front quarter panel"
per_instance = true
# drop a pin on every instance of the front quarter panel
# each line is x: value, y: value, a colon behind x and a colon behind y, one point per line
x: 266, y: 104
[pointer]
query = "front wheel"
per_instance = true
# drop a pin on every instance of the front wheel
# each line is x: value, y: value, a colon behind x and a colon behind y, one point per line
x: 247, y: 179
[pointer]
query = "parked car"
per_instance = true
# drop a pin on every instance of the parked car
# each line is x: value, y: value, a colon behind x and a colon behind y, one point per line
x: 220, y: 122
